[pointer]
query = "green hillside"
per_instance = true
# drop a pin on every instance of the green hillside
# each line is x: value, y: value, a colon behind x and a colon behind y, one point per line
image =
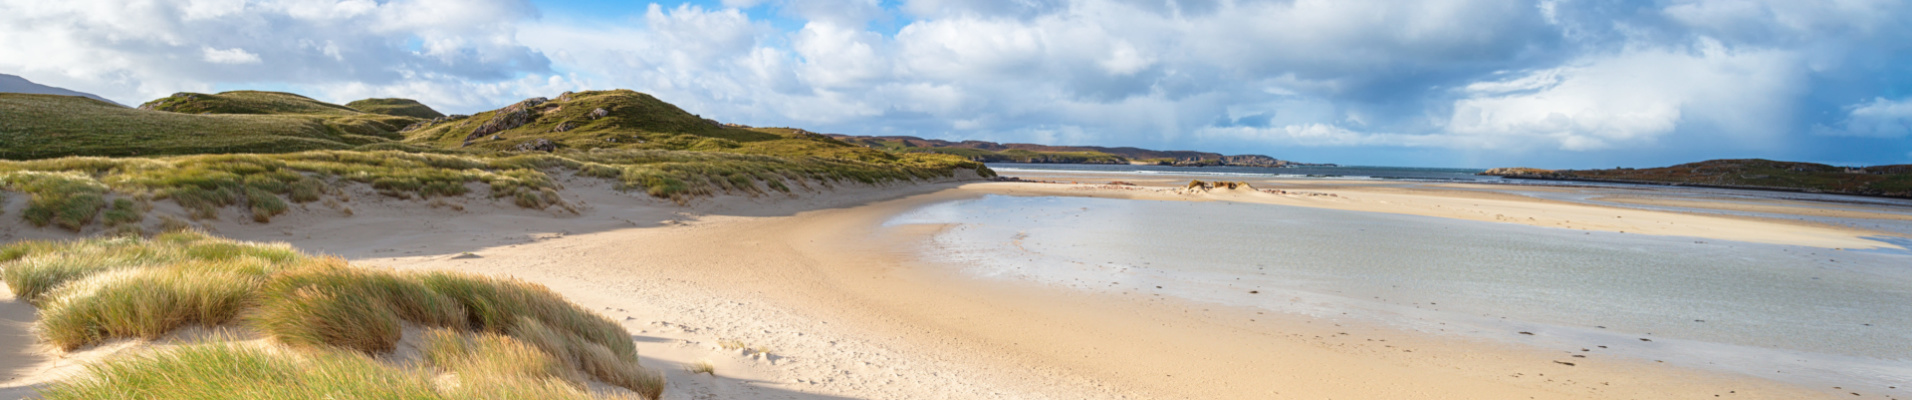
x: 45, y: 126
x: 260, y: 151
x: 397, y: 107
x: 628, y: 120
x: 245, y: 102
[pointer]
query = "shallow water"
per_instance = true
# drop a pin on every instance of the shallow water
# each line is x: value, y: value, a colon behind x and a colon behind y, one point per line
x: 1799, y: 314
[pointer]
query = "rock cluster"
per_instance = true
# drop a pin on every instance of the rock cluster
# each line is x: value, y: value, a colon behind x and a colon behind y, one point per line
x: 434, y: 121
x: 1204, y: 185
x: 539, y: 144
x: 599, y: 113
x: 1518, y: 172
x: 506, y: 119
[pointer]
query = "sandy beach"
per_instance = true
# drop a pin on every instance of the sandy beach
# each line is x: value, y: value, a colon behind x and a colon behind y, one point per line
x: 827, y: 304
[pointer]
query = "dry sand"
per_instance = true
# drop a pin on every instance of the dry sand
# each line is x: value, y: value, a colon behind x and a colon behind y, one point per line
x: 832, y: 305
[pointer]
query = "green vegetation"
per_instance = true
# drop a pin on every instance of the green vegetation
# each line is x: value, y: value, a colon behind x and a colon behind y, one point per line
x: 502, y: 338
x: 246, y: 102
x: 44, y: 126
x: 304, y: 150
x: 629, y: 120
x: 69, y: 192
x: 229, y: 371
x: 1887, y: 180
x: 397, y: 107
x: 67, y: 199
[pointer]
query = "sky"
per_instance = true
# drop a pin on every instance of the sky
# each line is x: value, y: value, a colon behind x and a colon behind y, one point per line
x: 1437, y: 83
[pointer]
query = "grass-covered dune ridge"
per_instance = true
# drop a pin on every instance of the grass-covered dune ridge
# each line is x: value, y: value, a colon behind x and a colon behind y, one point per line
x: 499, y: 338
x: 75, y: 192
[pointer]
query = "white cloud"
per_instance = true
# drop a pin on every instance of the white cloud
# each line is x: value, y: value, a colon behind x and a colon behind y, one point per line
x: 1879, y: 118
x: 1324, y: 135
x: 229, y: 56
x: 1633, y: 98
x: 135, y: 50
x: 1457, y: 74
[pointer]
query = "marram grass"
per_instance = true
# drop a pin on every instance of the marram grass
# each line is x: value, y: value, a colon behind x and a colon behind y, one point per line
x: 500, y: 338
x: 72, y: 192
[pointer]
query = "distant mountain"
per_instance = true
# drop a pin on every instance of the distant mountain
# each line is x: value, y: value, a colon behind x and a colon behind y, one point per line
x: 1884, y: 180
x: 15, y: 84
x: 1036, y: 153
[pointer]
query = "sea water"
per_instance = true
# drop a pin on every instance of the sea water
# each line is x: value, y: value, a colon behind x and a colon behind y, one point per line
x: 1800, y: 314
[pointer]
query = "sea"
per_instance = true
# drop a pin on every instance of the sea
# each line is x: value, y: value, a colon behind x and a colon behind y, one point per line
x: 1344, y: 173
x: 1813, y: 316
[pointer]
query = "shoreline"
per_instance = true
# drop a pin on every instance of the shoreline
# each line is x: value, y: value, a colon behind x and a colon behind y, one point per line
x: 846, y: 309
x: 1491, y: 206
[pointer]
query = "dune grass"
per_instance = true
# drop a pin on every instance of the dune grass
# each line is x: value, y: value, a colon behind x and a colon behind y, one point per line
x: 702, y: 367
x: 71, y: 192
x: 510, y: 336
x: 225, y: 371
x: 66, y: 199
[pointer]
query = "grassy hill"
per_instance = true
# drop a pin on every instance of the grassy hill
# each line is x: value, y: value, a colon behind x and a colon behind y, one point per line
x: 627, y: 119
x: 624, y: 119
x: 45, y: 126
x: 1886, y: 180
x: 397, y: 107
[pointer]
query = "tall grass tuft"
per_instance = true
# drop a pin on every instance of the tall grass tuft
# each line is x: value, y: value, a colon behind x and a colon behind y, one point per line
x: 333, y: 305
x: 67, y: 199
x: 228, y: 371
x: 505, y: 338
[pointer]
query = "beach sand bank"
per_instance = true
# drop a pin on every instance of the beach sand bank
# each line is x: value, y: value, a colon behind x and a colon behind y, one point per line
x: 829, y: 304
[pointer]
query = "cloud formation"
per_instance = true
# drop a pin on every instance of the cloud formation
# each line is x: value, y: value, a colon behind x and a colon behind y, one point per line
x: 1450, y: 82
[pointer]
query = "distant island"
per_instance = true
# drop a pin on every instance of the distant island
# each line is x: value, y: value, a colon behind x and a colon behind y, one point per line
x: 1884, y: 180
x: 976, y: 150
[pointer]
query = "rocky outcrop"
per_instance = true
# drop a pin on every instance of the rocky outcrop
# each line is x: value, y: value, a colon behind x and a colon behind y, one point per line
x: 1205, y: 185
x: 539, y: 144
x: 1518, y: 172
x: 508, y: 118
x: 600, y: 113
x: 434, y: 121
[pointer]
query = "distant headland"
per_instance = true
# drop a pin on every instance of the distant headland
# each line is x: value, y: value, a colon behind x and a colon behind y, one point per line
x: 983, y: 151
x: 1758, y: 174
